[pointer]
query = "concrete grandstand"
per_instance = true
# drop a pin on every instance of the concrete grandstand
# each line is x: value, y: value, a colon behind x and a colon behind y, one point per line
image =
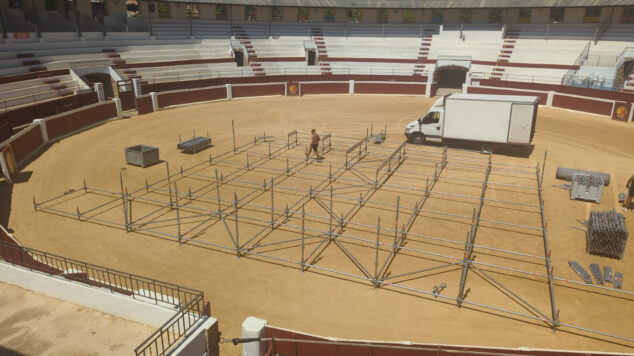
x: 67, y: 67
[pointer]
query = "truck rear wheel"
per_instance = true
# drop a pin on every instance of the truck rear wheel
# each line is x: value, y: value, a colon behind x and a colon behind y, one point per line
x: 418, y: 139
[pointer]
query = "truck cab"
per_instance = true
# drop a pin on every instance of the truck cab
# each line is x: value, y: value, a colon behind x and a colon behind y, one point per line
x: 428, y: 127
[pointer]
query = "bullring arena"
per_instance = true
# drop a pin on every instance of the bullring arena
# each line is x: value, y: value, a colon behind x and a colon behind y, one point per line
x: 381, y: 240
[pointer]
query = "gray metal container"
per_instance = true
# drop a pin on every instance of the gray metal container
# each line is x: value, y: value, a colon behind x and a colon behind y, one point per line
x: 194, y: 145
x: 586, y: 187
x: 142, y: 155
x: 566, y: 173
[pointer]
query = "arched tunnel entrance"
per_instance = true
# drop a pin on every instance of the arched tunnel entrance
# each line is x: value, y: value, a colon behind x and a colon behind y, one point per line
x: 451, y: 77
x: 103, y: 79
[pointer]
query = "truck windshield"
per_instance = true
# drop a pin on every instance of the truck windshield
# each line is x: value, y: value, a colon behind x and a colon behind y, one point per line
x: 431, y: 118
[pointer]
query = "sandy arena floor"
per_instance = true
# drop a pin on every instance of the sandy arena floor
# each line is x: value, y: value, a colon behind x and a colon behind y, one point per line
x: 318, y: 301
x: 35, y: 324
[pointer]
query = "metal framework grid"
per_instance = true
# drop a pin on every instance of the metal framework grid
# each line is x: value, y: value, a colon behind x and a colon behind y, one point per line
x: 307, y: 213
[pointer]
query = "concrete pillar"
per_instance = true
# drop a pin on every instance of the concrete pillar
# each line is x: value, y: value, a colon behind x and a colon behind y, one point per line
x: 549, y: 100
x: 136, y: 86
x: 43, y: 130
x: 117, y: 103
x: 154, y: 101
x: 631, y: 113
x: 229, y: 94
x: 100, y: 94
x: 430, y: 79
x: 351, y: 87
x: 253, y: 327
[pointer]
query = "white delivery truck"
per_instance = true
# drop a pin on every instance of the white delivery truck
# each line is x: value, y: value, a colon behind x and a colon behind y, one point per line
x: 491, y: 120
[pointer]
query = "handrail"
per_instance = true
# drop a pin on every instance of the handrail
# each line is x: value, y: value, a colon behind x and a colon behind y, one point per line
x: 103, y: 277
x: 603, y: 26
x: 567, y: 78
x: 189, y: 302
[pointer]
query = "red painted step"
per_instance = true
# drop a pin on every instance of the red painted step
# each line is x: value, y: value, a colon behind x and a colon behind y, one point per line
x: 113, y: 55
x: 25, y: 55
x: 58, y: 87
x: 31, y: 62
x: 37, y: 69
x: 51, y: 81
x: 108, y: 50
x: 129, y: 72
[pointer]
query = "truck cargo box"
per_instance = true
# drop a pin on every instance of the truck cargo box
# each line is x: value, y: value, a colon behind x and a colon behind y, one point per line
x: 490, y: 118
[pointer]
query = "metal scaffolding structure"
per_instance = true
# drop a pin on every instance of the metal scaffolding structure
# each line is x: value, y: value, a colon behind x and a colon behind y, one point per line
x: 292, y: 209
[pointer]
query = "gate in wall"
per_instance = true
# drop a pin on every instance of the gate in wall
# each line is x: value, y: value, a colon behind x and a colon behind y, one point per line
x: 126, y: 94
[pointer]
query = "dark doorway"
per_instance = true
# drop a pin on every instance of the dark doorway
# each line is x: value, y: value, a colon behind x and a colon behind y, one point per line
x: 239, y: 58
x: 98, y: 10
x: 451, y: 77
x: 102, y: 78
x: 312, y: 57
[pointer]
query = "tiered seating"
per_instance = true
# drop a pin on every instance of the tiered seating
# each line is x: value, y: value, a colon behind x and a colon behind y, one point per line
x: 172, y: 73
x: 208, y: 49
x: 211, y: 29
x: 555, y: 31
x: 619, y: 32
x: 164, y: 71
x: 170, y: 29
x: 26, y: 92
x: 14, y: 21
x: 53, y: 21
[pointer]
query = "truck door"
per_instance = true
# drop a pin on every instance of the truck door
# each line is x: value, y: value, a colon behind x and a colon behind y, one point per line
x: 430, y: 125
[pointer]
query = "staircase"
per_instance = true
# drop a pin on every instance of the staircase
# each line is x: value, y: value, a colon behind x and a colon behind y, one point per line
x: 629, y: 83
x: 510, y: 38
x: 322, y: 52
x: 243, y: 36
x: 423, y: 52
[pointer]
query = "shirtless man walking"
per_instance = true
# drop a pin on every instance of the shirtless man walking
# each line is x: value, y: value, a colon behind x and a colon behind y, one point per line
x: 314, y: 145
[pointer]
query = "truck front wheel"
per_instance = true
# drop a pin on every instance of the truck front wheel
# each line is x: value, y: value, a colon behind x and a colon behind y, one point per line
x: 418, y: 139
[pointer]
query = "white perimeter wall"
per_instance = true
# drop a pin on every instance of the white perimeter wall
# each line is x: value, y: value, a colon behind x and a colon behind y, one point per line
x: 87, y: 296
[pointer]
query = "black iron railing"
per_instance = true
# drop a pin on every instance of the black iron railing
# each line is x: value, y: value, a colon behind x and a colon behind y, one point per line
x: 189, y: 302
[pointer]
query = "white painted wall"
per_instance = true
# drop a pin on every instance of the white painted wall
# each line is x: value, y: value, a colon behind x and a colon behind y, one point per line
x: 90, y: 297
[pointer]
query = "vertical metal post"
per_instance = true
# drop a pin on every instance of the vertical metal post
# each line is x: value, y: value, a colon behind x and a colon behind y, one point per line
x: 125, y: 203
x: 235, y: 210
x: 149, y: 16
x: 398, y: 203
x: 303, y: 232
x: 541, y: 179
x: 191, y: 12
x: 218, y: 193
x: 247, y: 161
x: 233, y: 133
x: 269, y: 150
x: 376, y: 259
x: 178, y: 216
x: 272, y: 206
x: 331, y: 212
x: 169, y: 182
x: 129, y: 206
x: 287, y: 169
x: 330, y: 174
